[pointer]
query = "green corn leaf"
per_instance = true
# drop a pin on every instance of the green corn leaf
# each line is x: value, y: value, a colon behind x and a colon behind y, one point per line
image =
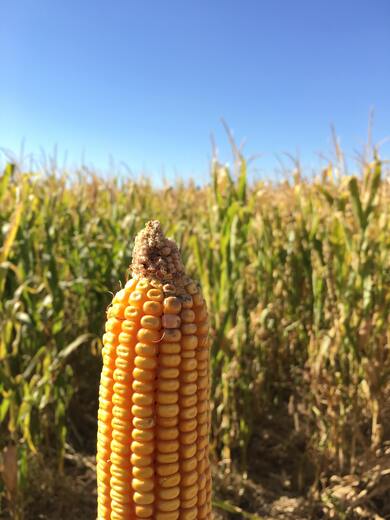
x: 13, y: 229
x: 242, y: 181
x: 5, y: 178
x: 356, y: 203
x: 4, y: 406
x: 374, y: 183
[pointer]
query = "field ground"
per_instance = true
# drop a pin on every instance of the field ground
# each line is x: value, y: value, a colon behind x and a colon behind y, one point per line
x: 73, y: 495
x: 268, y: 492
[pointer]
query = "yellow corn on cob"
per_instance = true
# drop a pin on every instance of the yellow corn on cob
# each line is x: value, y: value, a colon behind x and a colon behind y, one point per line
x: 154, y: 415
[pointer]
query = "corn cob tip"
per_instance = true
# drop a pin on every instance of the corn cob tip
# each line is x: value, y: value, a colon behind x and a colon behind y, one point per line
x: 155, y: 256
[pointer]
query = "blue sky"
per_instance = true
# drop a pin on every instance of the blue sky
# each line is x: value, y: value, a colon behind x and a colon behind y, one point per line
x: 148, y: 82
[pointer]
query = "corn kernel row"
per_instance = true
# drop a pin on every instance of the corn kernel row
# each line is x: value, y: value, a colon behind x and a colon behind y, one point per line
x: 154, y: 405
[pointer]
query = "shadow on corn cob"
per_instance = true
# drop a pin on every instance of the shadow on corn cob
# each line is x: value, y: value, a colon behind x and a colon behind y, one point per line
x: 154, y: 417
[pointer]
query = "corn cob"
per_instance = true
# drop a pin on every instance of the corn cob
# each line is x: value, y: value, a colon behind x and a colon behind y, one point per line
x: 154, y: 416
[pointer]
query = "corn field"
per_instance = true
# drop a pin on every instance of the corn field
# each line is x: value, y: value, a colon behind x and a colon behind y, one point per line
x: 296, y: 275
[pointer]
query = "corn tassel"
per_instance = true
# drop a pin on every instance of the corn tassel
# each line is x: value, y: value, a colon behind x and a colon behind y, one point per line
x: 154, y: 414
